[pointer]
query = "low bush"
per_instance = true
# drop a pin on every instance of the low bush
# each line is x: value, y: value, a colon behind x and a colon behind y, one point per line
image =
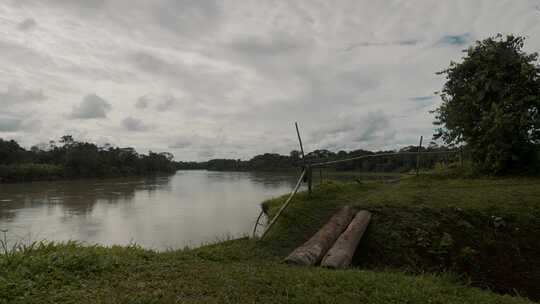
x: 30, y: 172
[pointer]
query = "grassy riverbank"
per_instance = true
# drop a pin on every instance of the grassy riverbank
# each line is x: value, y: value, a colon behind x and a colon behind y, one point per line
x: 419, y: 224
x: 487, y: 230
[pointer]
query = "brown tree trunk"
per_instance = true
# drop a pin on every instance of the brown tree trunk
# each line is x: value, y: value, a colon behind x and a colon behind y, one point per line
x: 341, y: 254
x: 312, y: 251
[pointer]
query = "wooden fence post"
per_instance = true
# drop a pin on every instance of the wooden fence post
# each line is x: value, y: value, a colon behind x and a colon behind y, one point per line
x: 300, y: 141
x: 461, y: 155
x: 418, y: 156
x: 307, y: 166
x: 309, y: 178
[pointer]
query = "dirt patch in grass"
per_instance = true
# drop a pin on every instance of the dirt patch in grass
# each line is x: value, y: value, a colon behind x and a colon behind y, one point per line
x: 493, y: 250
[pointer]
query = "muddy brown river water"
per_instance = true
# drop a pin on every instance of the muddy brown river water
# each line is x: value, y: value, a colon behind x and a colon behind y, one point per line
x: 189, y: 208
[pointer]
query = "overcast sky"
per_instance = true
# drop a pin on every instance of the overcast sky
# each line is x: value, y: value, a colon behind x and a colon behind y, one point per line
x: 209, y: 79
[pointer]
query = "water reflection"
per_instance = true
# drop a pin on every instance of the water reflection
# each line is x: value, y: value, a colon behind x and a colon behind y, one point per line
x: 75, y: 197
x: 189, y: 208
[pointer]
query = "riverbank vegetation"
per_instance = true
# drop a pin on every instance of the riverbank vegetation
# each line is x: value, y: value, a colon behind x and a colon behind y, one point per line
x: 491, y: 103
x: 432, y: 239
x: 277, y: 162
x: 486, y: 230
x: 70, y: 158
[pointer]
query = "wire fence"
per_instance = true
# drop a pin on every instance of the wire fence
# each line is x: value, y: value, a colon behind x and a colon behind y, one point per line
x: 372, y: 162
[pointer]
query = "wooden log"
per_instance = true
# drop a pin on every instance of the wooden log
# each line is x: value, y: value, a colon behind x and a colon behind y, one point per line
x: 312, y: 251
x: 342, y: 252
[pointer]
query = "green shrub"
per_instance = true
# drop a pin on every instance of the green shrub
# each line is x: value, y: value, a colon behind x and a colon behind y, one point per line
x: 30, y: 172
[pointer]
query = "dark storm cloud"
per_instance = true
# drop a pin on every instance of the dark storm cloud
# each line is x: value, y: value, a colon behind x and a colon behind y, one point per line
x: 134, y: 124
x: 27, y: 24
x: 91, y: 106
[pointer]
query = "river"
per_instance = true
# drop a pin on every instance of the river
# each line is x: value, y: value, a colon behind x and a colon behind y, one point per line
x: 189, y: 208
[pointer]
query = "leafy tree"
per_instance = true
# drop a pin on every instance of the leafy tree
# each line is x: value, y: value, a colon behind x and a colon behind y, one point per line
x: 11, y: 152
x: 294, y: 155
x: 491, y: 103
x: 77, y: 159
x: 82, y: 159
x: 67, y: 140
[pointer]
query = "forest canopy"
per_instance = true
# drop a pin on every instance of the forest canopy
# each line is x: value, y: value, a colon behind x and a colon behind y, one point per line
x: 71, y: 158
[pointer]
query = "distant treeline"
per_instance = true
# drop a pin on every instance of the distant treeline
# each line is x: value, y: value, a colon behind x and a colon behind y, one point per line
x: 69, y: 158
x: 277, y: 162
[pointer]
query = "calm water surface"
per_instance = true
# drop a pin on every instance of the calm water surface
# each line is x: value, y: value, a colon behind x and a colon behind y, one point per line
x: 187, y: 209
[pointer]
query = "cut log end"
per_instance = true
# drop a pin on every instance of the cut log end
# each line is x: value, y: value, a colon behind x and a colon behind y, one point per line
x: 312, y: 251
x: 342, y: 252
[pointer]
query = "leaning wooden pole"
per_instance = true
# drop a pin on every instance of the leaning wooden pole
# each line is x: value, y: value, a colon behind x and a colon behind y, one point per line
x: 307, y: 166
x: 342, y: 252
x: 300, y: 141
x: 312, y: 251
x: 257, y: 224
x: 284, y: 206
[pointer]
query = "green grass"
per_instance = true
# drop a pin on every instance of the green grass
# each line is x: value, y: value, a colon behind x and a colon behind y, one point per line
x: 487, y: 230
x: 231, y: 272
x: 391, y: 266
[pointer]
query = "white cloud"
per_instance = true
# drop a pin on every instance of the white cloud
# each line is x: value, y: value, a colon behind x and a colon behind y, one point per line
x: 12, y: 123
x: 229, y: 78
x: 142, y: 102
x: 27, y: 24
x: 91, y: 107
x: 134, y: 124
x: 158, y: 102
x: 16, y: 94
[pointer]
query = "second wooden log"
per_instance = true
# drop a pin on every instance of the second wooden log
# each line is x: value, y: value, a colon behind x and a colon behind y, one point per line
x: 342, y: 252
x: 312, y: 251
